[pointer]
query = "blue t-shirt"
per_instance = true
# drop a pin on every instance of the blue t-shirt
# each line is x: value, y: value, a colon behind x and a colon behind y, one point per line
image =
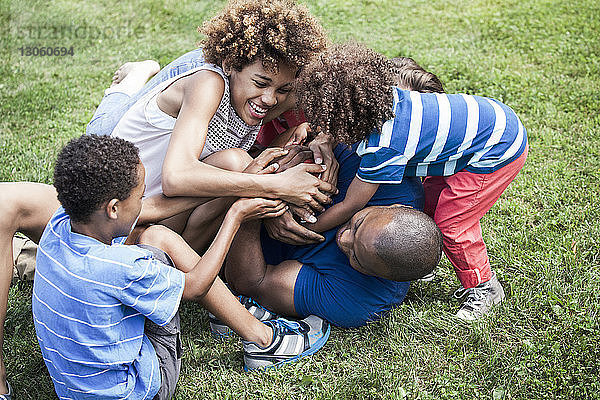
x: 90, y: 302
x: 438, y: 134
x: 327, y: 285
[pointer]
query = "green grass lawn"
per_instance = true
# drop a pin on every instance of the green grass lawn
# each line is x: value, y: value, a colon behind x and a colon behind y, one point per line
x: 538, y: 56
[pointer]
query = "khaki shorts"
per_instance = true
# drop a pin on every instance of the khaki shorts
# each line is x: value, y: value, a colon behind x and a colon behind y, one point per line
x: 24, y: 252
x: 166, y: 340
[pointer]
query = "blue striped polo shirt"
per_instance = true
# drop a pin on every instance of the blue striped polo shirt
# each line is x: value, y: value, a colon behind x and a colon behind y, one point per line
x: 90, y: 302
x: 438, y: 134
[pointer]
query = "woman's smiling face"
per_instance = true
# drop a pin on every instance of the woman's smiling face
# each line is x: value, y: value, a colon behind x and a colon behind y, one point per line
x: 256, y: 90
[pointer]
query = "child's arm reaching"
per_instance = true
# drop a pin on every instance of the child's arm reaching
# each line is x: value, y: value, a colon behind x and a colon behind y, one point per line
x: 358, y: 195
x: 159, y: 207
x: 200, y: 279
x: 200, y: 272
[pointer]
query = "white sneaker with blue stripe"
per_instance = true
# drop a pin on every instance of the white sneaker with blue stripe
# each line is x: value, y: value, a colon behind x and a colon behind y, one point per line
x: 292, y: 340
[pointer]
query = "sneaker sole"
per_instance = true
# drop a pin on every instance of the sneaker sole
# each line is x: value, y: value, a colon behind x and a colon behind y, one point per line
x: 312, y: 350
x: 426, y: 278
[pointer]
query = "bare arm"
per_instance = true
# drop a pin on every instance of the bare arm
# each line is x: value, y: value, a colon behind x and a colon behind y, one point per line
x: 285, y: 229
x: 201, y: 277
x: 358, y: 195
x: 184, y: 175
x: 294, y: 135
x: 159, y: 207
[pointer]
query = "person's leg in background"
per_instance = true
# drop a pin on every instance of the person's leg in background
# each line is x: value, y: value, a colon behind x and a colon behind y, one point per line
x: 117, y: 98
x: 25, y: 208
x: 199, y: 226
x: 184, y: 63
x: 130, y: 82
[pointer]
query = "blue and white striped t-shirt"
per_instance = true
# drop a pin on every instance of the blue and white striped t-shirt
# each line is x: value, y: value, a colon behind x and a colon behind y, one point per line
x: 436, y: 134
x: 90, y: 301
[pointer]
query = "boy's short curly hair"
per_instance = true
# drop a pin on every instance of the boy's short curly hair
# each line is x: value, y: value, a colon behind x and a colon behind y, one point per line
x: 269, y: 30
x: 346, y: 90
x: 92, y: 169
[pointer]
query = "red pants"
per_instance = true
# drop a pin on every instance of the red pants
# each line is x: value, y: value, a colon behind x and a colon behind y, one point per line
x: 457, y: 203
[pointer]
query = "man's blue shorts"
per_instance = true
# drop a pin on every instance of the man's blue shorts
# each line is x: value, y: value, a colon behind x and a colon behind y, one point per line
x: 327, y: 285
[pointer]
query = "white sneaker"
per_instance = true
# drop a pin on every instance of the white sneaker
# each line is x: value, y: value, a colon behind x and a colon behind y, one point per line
x: 292, y: 340
x: 220, y: 330
x: 480, y: 299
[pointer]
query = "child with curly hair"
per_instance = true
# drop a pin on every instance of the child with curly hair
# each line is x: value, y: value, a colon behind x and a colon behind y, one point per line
x: 106, y: 313
x: 469, y: 148
x: 195, y: 120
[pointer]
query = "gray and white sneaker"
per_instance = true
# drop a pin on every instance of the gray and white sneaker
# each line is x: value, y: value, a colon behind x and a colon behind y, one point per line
x: 218, y: 327
x: 292, y: 340
x: 480, y: 299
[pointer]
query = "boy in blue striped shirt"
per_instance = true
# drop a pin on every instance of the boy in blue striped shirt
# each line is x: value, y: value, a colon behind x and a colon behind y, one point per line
x: 468, y: 149
x: 105, y: 313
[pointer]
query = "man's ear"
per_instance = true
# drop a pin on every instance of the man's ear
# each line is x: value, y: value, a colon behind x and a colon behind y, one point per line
x: 112, y: 208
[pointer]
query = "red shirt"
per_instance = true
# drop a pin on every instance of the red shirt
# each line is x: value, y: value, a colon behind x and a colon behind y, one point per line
x: 269, y: 131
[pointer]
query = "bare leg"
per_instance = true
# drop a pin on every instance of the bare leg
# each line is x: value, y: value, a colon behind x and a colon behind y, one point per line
x: 219, y: 300
x: 25, y: 208
x: 246, y: 270
x: 135, y: 74
x: 198, y: 227
x: 204, y: 222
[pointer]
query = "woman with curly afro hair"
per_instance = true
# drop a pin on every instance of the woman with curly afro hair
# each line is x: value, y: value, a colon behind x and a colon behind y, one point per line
x: 192, y: 124
x: 468, y: 148
x: 196, y: 119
